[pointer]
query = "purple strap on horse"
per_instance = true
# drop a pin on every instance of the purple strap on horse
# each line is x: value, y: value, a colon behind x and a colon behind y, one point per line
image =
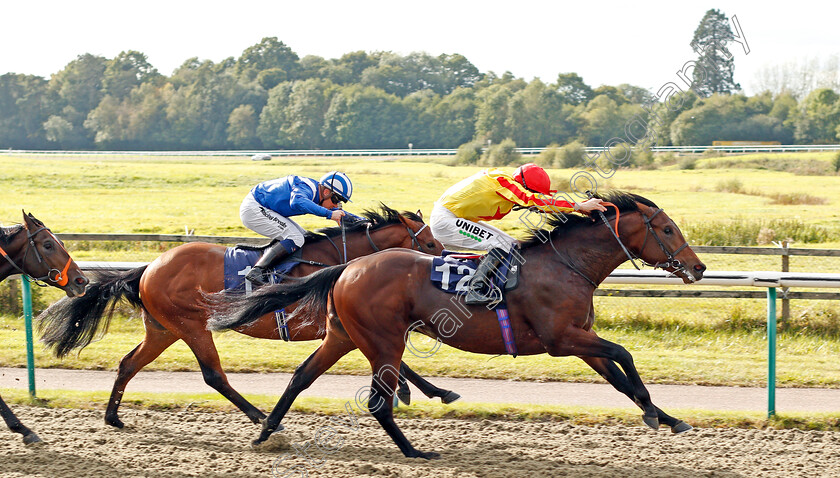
x: 501, y: 307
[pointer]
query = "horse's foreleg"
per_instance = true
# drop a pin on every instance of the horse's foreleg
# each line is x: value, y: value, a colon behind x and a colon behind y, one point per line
x: 384, y: 384
x: 157, y: 340
x: 617, y: 379
x: 200, y: 341
x: 324, y: 357
x: 446, y: 396
x: 15, y: 425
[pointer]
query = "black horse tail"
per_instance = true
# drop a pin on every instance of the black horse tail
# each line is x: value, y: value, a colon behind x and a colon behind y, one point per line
x: 74, y: 322
x: 230, y: 310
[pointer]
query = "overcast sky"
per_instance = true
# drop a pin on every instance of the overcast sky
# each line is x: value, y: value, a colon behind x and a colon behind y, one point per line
x: 642, y: 42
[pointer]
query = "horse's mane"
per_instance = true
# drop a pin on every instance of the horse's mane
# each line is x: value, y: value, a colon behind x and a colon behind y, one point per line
x: 6, y: 232
x: 563, y: 223
x: 377, y: 220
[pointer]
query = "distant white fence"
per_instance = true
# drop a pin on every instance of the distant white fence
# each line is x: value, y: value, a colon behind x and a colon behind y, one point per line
x: 424, y: 152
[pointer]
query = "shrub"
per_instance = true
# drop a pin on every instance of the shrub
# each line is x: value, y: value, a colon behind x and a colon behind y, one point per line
x: 501, y: 154
x: 689, y: 162
x: 560, y: 183
x: 765, y: 236
x: 468, y: 153
x: 835, y: 163
x: 570, y: 155
x: 642, y: 158
x: 665, y: 159
x: 731, y: 185
x: 626, y: 155
x: 740, y: 232
x: 547, y: 157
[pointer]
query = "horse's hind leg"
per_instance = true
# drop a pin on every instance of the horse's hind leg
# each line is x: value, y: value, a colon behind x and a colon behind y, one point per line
x: 200, y: 341
x: 15, y: 425
x: 157, y: 340
x: 325, y: 356
x: 429, y: 390
x: 617, y: 379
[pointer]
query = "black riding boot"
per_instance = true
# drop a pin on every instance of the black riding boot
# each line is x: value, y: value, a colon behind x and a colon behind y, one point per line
x: 273, y: 255
x: 481, y: 287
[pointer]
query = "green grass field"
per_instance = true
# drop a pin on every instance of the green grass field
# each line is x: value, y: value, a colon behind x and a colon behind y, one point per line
x: 673, y: 340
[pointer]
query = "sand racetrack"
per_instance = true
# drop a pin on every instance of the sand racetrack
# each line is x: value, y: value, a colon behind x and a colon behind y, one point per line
x: 216, y: 444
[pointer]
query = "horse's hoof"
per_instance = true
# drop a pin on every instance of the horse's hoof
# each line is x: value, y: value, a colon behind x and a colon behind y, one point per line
x: 681, y: 427
x: 265, y: 429
x: 256, y: 443
x: 258, y: 420
x: 449, y: 397
x: 651, y: 421
x: 31, y: 438
x: 404, y: 397
x: 115, y: 422
x: 428, y: 455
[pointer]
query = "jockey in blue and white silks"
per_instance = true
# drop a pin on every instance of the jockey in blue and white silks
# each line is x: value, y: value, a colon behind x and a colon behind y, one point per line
x: 269, y: 205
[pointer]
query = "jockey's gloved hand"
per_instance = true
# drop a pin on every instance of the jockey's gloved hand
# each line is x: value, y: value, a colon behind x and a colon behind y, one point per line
x: 350, y: 217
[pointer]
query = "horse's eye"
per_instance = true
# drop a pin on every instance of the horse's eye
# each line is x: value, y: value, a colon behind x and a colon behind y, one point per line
x: 48, y: 245
x: 430, y: 245
x: 667, y: 230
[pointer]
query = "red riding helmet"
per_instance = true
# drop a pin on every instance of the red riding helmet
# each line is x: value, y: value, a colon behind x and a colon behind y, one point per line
x: 534, y: 178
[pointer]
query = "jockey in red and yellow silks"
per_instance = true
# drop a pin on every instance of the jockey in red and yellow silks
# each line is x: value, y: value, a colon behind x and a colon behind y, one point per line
x: 458, y: 215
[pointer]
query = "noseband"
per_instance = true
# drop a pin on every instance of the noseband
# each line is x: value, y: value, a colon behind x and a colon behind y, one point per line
x: 60, y: 278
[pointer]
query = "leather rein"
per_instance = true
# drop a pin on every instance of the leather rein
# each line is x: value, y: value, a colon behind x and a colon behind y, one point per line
x: 415, y: 242
x: 671, y: 260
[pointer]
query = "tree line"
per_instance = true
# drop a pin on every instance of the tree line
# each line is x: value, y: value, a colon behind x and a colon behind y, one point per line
x: 269, y: 98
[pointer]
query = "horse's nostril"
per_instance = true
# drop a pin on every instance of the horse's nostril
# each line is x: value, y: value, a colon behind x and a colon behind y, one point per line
x: 82, y: 280
x: 700, y: 267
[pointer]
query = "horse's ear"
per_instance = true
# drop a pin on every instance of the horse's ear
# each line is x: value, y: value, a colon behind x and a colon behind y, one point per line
x: 420, y: 214
x: 27, y: 218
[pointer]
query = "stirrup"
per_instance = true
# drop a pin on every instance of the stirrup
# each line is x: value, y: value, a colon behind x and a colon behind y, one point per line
x: 475, y: 295
x: 256, y: 276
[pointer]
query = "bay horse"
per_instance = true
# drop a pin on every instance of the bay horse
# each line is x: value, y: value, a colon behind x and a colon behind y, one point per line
x: 31, y: 248
x: 168, y: 292
x: 374, y: 301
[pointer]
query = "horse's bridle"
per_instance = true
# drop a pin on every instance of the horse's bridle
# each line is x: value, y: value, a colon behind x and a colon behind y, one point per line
x: 672, y: 256
x: 671, y: 261
x: 415, y: 242
x: 60, y: 278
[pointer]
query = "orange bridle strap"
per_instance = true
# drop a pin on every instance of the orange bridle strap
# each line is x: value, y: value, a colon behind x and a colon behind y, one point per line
x: 617, y: 215
x: 63, y: 278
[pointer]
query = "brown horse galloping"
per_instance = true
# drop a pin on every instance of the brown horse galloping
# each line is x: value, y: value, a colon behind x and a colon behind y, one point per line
x: 30, y: 248
x: 169, y: 293
x: 374, y: 301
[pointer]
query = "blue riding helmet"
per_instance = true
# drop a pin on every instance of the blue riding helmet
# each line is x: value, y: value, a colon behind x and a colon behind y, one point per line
x: 339, y: 184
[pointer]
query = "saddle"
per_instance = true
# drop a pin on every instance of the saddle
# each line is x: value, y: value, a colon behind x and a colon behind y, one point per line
x: 238, y: 260
x: 480, y: 279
